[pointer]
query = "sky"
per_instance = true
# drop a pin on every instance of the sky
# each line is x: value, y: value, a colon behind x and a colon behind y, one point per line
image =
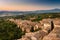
x: 28, y: 5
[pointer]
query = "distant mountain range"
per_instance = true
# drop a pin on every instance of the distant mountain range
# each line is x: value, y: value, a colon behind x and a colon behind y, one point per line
x: 47, y: 11
x: 10, y: 13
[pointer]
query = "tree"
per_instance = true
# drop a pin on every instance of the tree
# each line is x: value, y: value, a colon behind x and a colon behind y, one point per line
x: 9, y: 31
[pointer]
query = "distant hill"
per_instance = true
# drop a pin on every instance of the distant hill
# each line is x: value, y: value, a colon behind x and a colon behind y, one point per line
x: 47, y: 11
x: 11, y: 13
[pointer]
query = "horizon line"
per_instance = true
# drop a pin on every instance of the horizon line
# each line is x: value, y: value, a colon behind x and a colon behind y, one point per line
x: 31, y: 10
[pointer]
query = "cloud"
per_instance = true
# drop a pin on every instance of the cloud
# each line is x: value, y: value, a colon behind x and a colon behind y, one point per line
x: 28, y: 4
x: 38, y: 2
x: 45, y: 2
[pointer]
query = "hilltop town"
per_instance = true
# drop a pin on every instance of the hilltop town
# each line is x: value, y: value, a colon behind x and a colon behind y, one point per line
x: 33, y: 27
x: 48, y: 29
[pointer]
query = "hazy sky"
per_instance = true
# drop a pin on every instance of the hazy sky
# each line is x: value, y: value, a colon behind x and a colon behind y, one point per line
x: 26, y: 5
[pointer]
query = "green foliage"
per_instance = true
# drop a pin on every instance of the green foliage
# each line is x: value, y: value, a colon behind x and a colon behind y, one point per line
x: 9, y: 31
x: 38, y: 16
x: 37, y: 19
